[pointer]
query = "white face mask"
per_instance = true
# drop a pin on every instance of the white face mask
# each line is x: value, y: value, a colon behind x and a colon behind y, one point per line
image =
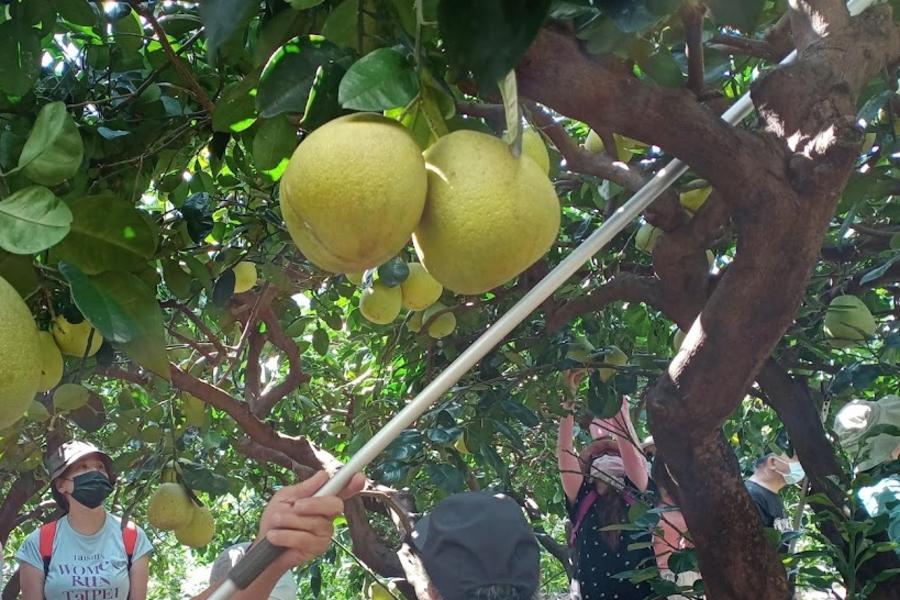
x: 795, y: 472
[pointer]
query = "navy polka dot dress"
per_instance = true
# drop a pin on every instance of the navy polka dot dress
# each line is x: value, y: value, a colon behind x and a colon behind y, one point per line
x: 596, y: 563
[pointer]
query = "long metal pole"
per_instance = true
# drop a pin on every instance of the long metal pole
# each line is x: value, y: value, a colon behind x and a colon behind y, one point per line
x: 260, y: 556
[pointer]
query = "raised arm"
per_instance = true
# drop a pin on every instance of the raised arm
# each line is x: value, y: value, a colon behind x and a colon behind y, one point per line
x: 569, y: 466
x: 629, y: 446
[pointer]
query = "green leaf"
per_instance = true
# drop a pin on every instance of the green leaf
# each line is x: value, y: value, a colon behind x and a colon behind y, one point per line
x: 19, y: 272
x: 105, y: 313
x: 489, y: 37
x: 320, y: 341
x: 221, y: 18
x: 125, y: 311
x: 70, y: 396
x: 662, y: 68
x: 631, y: 15
x: 147, y: 344
x: 224, y: 289
x: 744, y: 15
x: 289, y: 75
x: 128, y: 32
x: 32, y: 220
x: 20, y: 58
x: 380, y: 80
x: 274, y: 143
x: 447, y: 477
x: 54, y: 150
x: 304, y: 4
x: 236, y: 109
x: 323, y: 104
x: 79, y: 12
x: 92, y: 415
x: 341, y: 25
x: 107, y: 234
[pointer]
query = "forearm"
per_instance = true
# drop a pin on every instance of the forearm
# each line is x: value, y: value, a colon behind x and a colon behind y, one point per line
x: 632, y: 458
x: 564, y: 440
x: 569, y: 467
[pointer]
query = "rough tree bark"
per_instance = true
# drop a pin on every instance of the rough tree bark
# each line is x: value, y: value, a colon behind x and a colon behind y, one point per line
x: 780, y: 186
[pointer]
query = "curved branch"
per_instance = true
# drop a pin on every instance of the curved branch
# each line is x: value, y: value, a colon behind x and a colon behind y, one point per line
x: 558, y: 74
x: 628, y: 287
x: 295, y: 375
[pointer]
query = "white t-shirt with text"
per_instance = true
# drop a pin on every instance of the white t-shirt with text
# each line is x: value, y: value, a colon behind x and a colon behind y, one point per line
x: 85, y: 567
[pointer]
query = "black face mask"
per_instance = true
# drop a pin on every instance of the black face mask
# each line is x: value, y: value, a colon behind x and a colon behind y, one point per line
x: 91, y: 488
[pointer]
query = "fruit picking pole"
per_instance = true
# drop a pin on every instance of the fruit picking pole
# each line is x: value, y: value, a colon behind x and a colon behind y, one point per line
x: 261, y: 555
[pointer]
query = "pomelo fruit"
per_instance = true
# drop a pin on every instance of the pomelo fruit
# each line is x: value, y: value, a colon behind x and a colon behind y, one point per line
x: 381, y: 304
x: 488, y: 215
x: 20, y: 347
x: 353, y: 192
x: 420, y: 290
x: 72, y: 338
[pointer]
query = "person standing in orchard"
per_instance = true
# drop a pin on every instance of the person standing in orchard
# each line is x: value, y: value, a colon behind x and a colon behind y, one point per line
x: 89, y: 552
x: 600, y: 486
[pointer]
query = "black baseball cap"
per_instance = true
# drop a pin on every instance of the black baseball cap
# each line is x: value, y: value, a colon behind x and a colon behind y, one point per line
x: 476, y: 539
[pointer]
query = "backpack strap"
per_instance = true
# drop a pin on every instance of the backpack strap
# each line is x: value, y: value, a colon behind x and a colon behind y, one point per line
x: 129, y: 538
x: 46, y: 536
x: 583, y: 507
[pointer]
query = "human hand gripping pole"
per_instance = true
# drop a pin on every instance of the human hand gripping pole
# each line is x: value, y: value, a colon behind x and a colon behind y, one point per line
x: 264, y: 553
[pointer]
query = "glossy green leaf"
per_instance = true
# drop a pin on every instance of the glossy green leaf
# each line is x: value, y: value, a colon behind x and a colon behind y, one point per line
x: 20, y: 58
x: 79, y: 12
x: 221, y: 19
x: 128, y: 32
x: 105, y: 313
x: 54, y: 150
x: 289, y: 75
x: 489, y: 37
x: 107, y: 234
x: 235, y: 111
x: 304, y: 4
x: 320, y: 341
x: 70, y: 396
x: 380, y: 80
x: 147, y: 344
x: 32, y: 220
x: 273, y: 143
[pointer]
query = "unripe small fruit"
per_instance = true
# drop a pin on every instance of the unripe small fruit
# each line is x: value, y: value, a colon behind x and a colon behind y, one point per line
x: 244, y: 276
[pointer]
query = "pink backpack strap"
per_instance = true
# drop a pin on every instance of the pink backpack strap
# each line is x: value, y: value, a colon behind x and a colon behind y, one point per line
x: 583, y: 507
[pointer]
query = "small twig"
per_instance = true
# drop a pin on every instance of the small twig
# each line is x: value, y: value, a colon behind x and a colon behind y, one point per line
x: 179, y: 66
x: 199, y: 324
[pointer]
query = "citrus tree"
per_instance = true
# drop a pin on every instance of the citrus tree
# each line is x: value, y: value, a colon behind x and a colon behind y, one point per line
x: 224, y: 318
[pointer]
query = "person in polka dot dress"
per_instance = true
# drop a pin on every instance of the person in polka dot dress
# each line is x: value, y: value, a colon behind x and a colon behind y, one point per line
x: 598, y: 486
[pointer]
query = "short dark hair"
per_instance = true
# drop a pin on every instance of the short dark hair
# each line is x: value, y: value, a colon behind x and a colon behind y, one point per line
x: 501, y: 592
x: 762, y: 460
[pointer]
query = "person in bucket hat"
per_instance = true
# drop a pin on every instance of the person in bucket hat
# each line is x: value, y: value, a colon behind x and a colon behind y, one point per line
x: 89, y: 552
x: 870, y: 433
x: 474, y: 546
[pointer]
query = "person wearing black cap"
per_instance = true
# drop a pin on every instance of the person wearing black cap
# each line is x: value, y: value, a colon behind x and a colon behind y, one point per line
x: 476, y: 546
x: 89, y: 553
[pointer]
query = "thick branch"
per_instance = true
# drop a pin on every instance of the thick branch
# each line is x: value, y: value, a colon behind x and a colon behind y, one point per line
x: 19, y: 493
x: 556, y: 73
x: 623, y: 287
x: 811, y: 20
